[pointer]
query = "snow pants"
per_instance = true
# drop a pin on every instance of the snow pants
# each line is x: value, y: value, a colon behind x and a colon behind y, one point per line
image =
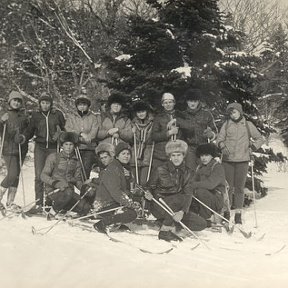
x: 176, y: 202
x: 236, y: 174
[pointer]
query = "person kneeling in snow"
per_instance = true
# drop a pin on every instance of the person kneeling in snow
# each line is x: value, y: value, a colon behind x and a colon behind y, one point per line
x: 172, y: 182
x: 114, y: 191
x: 208, y: 182
x: 63, y: 171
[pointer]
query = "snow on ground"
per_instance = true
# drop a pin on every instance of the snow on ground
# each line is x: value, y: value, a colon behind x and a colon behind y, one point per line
x: 70, y: 257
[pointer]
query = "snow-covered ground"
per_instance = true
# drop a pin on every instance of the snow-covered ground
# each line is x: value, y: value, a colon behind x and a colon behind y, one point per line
x: 70, y: 257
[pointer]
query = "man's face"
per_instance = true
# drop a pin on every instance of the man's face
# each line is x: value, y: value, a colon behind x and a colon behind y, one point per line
x: 115, y: 108
x: 141, y: 114
x: 205, y: 159
x: 124, y: 156
x: 45, y: 105
x: 105, y: 158
x: 177, y: 158
x: 15, y: 103
x: 82, y: 106
x: 235, y: 114
x: 68, y: 147
x: 193, y: 104
x: 168, y: 104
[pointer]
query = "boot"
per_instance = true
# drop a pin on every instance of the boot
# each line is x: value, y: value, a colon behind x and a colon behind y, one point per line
x: 168, y: 236
x: 10, y: 200
x: 100, y: 227
x: 2, y: 192
x: 237, y: 218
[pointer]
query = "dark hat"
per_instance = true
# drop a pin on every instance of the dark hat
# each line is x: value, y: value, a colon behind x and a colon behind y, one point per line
x: 116, y: 98
x: 122, y: 146
x: 140, y: 106
x: 45, y: 97
x: 69, y: 137
x: 193, y: 94
x: 105, y: 147
x: 15, y: 95
x: 177, y: 146
x: 207, y: 149
x: 82, y: 99
x: 236, y: 106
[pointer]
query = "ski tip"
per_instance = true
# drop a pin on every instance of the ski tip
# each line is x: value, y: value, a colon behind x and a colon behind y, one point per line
x: 33, y: 230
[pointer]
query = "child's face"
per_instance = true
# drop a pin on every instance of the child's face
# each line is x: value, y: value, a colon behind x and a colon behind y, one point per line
x: 82, y: 106
x: 68, y: 147
x: 205, y: 159
x: 141, y: 114
x: 45, y: 105
x: 235, y: 114
x: 124, y: 156
x: 177, y: 158
x: 15, y: 103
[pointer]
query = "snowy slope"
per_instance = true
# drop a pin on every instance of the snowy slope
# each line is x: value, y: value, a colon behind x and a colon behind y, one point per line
x: 70, y: 257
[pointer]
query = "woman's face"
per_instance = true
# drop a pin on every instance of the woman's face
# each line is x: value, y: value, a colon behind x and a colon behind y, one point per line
x: 82, y: 107
x: 193, y: 104
x: 235, y: 114
x: 105, y: 158
x: 15, y: 103
x: 124, y: 156
x: 141, y: 114
x: 115, y: 108
x: 177, y: 158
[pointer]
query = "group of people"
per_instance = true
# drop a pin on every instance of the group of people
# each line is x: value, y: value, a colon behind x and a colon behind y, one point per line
x: 172, y: 156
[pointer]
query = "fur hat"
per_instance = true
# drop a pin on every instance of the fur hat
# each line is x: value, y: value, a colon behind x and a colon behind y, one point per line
x: 140, y: 106
x: 45, y: 97
x: 15, y: 95
x: 176, y: 146
x: 122, y: 146
x: 82, y: 99
x: 236, y: 106
x: 207, y: 149
x: 69, y: 137
x: 193, y: 95
x: 116, y: 98
x: 105, y: 147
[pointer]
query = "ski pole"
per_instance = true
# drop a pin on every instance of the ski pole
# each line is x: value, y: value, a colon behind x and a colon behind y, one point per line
x: 78, y: 155
x: 165, y: 207
x: 21, y: 174
x: 150, y: 162
x: 135, y: 158
x: 2, y: 140
x: 253, y: 191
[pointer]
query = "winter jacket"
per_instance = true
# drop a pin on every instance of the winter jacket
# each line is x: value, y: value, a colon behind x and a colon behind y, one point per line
x: 88, y: 124
x: 159, y: 133
x: 236, y: 136
x: 171, y: 180
x: 194, y: 124
x: 122, y: 122
x: 45, y: 127
x: 113, y: 187
x: 143, y: 141
x: 210, y: 177
x: 60, y: 166
x: 17, y: 122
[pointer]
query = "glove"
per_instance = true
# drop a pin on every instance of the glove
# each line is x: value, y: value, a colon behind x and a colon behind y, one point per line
x: 171, y: 123
x: 85, y: 138
x: 57, y: 134
x: 88, y: 190
x: 112, y: 131
x: 178, y: 216
x: 173, y: 131
x: 208, y: 133
x: 19, y: 138
x: 60, y: 184
x: 148, y: 195
x: 224, y: 148
x: 4, y: 117
x: 135, y: 205
x: 137, y: 191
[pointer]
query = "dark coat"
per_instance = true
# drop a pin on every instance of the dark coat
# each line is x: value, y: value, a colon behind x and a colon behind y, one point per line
x: 44, y: 127
x: 170, y: 180
x: 17, y: 122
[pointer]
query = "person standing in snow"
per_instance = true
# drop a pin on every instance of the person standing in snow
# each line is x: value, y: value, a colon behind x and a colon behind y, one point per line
x: 236, y: 139
x: 45, y: 125
x: 114, y: 191
x: 13, y: 122
x: 86, y: 125
x: 63, y: 171
x: 208, y: 183
x: 172, y: 182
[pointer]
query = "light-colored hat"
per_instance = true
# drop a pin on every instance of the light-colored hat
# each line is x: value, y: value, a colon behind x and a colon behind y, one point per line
x: 15, y: 95
x: 179, y: 146
x: 105, y: 147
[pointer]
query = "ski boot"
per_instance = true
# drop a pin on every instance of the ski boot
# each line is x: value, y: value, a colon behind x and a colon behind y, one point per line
x: 237, y: 218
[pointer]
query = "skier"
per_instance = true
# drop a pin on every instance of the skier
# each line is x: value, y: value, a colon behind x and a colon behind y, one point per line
x: 208, y: 183
x: 86, y: 125
x: 236, y: 139
x: 142, y: 127
x: 115, y: 126
x: 63, y: 171
x: 13, y: 122
x: 172, y: 182
x: 45, y: 125
x: 116, y: 181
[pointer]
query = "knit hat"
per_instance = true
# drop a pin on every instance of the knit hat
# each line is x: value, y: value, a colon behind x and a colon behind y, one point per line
x: 105, y: 147
x: 116, y: 98
x: 207, y: 149
x: 68, y: 137
x: 15, y: 95
x: 193, y: 95
x: 178, y: 146
x: 82, y: 99
x: 122, y: 146
x: 140, y: 106
x: 45, y: 97
x: 236, y: 106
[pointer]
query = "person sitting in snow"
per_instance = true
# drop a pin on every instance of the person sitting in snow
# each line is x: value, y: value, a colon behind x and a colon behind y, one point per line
x: 63, y: 171
x: 172, y: 182
x: 208, y: 183
x: 116, y: 181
